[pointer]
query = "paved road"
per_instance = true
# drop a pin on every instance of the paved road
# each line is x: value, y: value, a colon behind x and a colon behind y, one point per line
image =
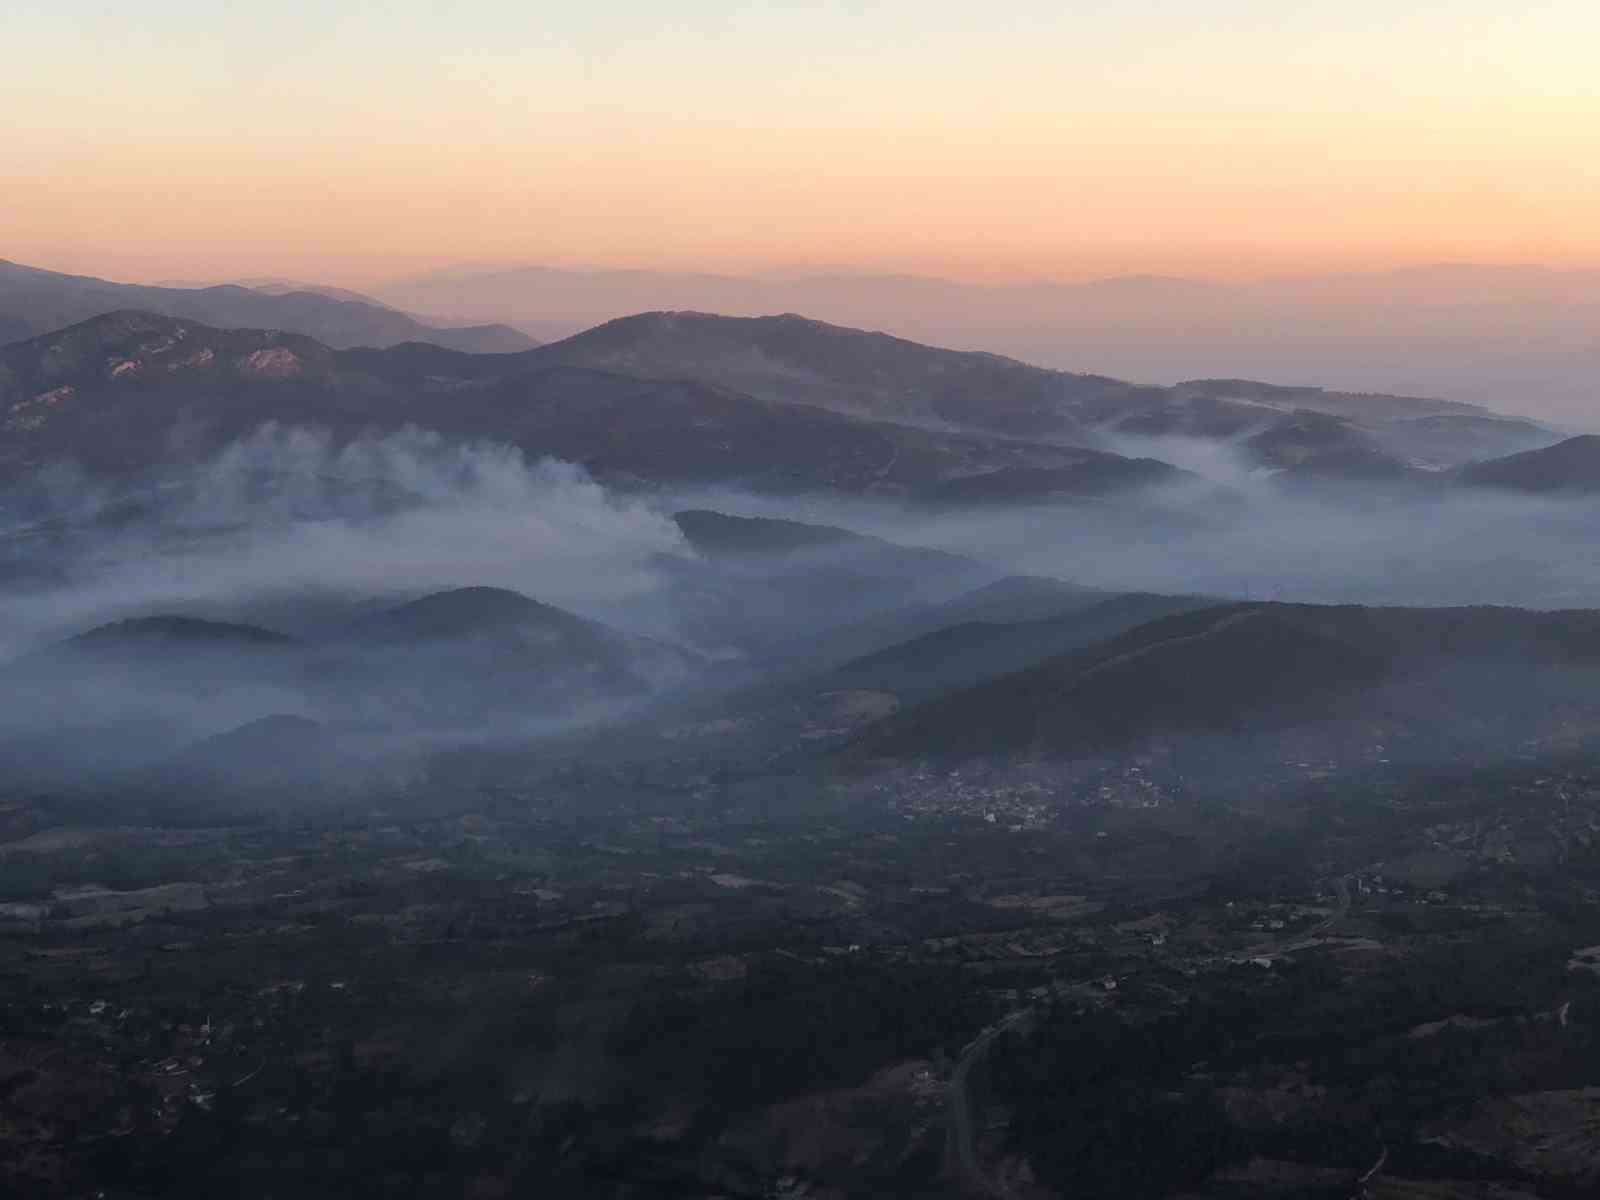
x: 960, y: 1102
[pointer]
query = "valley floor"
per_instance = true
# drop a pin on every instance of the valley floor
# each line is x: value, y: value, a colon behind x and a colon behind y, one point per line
x: 932, y: 983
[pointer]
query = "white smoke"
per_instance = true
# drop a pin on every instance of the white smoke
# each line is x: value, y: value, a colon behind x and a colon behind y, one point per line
x: 290, y: 513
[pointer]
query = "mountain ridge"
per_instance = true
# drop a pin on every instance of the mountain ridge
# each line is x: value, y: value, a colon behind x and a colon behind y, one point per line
x: 791, y: 358
x: 1239, y: 667
x: 109, y: 391
x: 37, y: 301
x: 1456, y: 330
x: 781, y: 403
x: 1571, y: 467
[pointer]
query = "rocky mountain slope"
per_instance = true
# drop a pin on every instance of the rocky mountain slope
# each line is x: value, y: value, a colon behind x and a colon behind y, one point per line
x: 778, y: 403
x: 111, y: 393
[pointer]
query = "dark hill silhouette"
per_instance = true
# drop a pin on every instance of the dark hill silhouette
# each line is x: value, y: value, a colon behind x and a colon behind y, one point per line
x: 1319, y: 444
x: 792, y: 359
x: 714, y: 533
x: 178, y: 631
x: 463, y: 612
x: 484, y: 655
x: 964, y: 654
x: 1309, y: 442
x: 1089, y: 479
x: 33, y: 302
x: 1571, y: 467
x: 1008, y: 600
x: 130, y: 692
x: 1242, y: 667
x: 795, y: 360
x: 110, y: 393
x: 1020, y: 598
x: 113, y: 394
x: 1453, y: 439
x: 777, y: 404
x: 1460, y: 330
x: 261, y: 764
x: 263, y: 751
x: 761, y: 582
x: 720, y: 535
x: 166, y: 646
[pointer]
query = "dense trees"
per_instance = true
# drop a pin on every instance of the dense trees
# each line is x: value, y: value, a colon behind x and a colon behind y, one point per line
x: 790, y: 1026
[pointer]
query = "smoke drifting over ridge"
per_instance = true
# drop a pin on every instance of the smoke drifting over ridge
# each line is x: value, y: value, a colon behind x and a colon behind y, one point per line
x: 333, y: 528
x: 1342, y: 542
x: 298, y: 613
x: 548, y: 602
x: 290, y: 512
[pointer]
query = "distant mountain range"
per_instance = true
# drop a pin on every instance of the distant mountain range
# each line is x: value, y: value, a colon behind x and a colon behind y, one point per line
x: 778, y: 403
x: 111, y: 392
x: 274, y: 286
x: 34, y: 302
x: 793, y: 360
x: 1508, y: 337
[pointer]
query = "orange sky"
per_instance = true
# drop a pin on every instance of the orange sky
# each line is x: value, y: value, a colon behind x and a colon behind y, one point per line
x: 1221, y: 137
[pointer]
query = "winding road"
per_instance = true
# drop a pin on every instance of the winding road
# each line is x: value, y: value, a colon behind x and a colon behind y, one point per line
x: 960, y: 1102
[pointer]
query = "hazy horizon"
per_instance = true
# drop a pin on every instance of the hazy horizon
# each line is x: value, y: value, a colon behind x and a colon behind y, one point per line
x: 1513, y: 338
x: 1228, y: 139
x: 246, y: 265
x: 1351, y: 197
x: 238, y: 270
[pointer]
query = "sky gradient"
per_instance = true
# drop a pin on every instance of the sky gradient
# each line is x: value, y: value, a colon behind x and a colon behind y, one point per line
x: 1063, y: 140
